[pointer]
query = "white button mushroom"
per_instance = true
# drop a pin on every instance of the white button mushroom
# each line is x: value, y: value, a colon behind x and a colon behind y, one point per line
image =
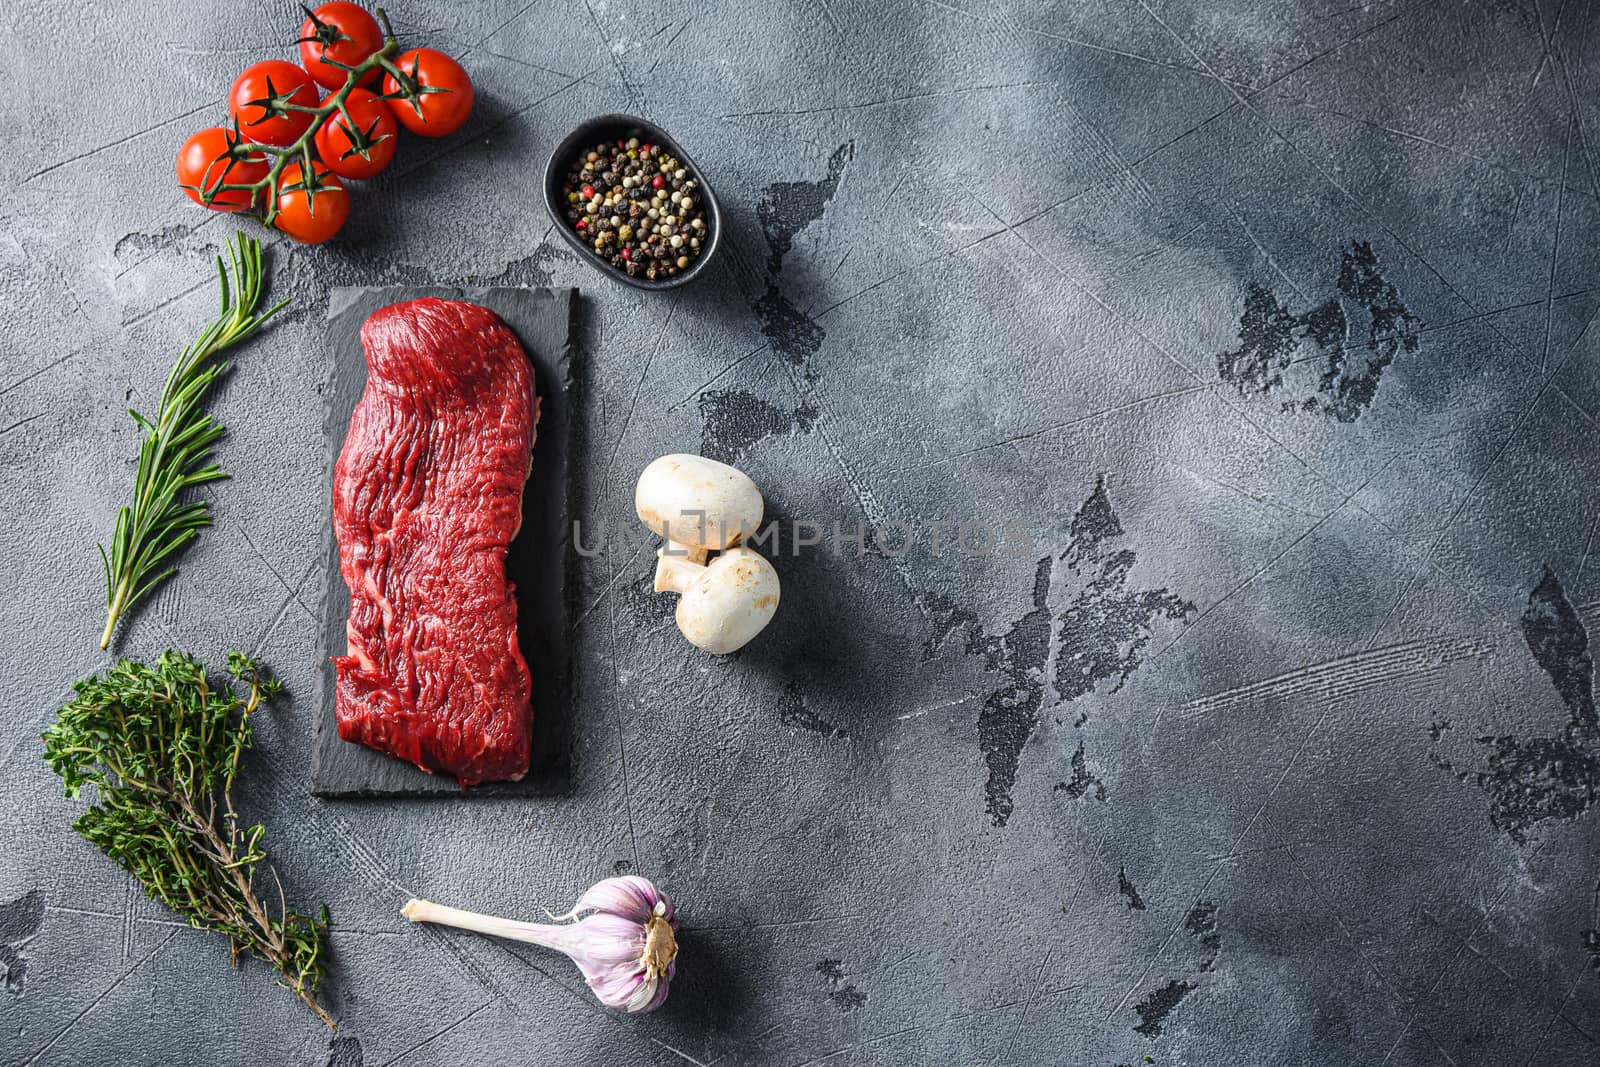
x: 724, y: 604
x: 698, y: 503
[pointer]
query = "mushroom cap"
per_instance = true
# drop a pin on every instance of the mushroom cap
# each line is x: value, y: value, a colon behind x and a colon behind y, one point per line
x: 731, y: 602
x: 698, y: 502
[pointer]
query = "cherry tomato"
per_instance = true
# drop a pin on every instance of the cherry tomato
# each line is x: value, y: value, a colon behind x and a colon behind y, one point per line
x: 443, y: 91
x: 310, y: 211
x: 207, y: 160
x: 344, y: 33
x: 257, y: 102
x: 362, y: 150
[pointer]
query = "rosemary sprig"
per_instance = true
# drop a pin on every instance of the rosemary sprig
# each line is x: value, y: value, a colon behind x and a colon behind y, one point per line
x: 162, y: 748
x: 173, y: 456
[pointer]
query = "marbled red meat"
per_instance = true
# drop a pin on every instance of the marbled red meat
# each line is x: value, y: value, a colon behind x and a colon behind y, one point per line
x: 427, y: 496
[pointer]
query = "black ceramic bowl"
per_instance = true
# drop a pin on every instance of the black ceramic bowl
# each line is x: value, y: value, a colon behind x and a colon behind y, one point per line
x: 622, y: 127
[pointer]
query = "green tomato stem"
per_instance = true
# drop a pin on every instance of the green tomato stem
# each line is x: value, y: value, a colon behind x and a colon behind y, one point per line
x: 301, y: 147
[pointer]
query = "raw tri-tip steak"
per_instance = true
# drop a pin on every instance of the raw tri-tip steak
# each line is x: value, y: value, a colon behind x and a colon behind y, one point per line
x: 427, y: 497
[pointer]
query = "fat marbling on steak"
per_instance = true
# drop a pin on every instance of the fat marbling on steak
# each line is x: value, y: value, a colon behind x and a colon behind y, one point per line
x: 427, y: 496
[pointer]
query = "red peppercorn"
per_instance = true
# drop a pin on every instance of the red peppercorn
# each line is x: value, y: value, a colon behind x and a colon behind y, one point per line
x: 657, y: 182
x: 627, y: 253
x: 588, y: 191
x: 583, y: 223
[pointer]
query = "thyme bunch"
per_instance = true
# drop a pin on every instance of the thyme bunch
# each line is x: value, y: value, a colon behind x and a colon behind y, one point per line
x: 177, y: 444
x: 162, y: 747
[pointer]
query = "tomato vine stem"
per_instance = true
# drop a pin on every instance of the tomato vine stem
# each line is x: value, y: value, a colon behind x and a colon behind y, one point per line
x: 299, y: 152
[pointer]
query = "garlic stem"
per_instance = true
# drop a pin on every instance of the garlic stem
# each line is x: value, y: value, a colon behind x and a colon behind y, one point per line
x: 426, y: 911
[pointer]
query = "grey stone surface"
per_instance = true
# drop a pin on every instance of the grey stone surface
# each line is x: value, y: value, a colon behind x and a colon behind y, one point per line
x: 1269, y: 738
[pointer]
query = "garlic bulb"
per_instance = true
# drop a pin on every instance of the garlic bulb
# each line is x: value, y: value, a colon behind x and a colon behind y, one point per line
x: 626, y: 943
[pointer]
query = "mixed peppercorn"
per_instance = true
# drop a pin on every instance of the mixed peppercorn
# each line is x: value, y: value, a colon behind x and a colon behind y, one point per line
x: 637, y: 206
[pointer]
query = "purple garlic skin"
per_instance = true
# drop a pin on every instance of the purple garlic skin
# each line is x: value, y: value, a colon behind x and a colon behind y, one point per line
x: 624, y: 939
x: 627, y: 945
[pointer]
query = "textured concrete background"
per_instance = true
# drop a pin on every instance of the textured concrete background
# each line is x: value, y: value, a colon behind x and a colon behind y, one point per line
x: 1267, y: 324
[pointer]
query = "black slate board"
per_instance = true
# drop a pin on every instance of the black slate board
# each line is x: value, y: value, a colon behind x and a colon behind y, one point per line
x: 537, y: 562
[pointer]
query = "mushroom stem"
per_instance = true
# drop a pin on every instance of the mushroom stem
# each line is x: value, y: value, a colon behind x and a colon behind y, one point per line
x: 675, y: 571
